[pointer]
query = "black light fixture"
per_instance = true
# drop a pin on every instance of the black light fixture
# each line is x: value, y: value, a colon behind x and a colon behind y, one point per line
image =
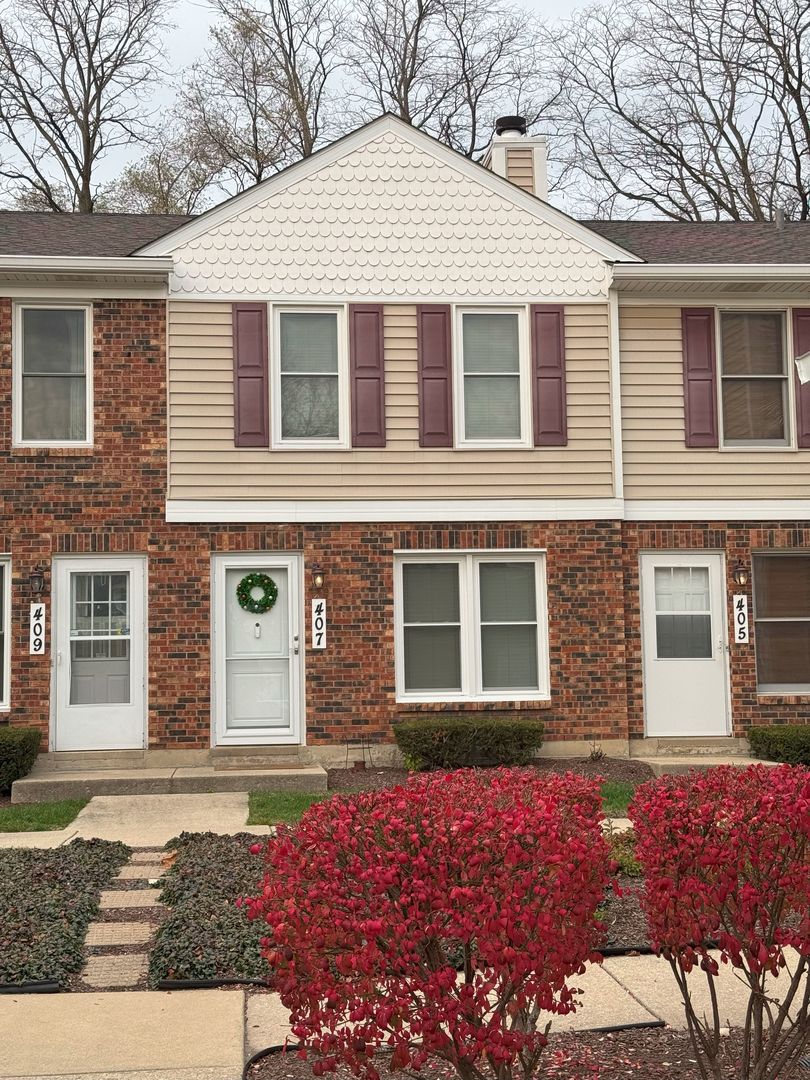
x: 36, y: 580
x: 740, y: 573
x: 318, y: 576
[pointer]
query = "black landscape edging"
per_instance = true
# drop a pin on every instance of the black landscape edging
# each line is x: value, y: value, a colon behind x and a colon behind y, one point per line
x: 209, y: 984
x: 260, y: 1055
x: 42, y: 986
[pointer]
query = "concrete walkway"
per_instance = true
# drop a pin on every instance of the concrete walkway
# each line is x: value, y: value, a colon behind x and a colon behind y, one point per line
x: 147, y: 820
x: 206, y: 1034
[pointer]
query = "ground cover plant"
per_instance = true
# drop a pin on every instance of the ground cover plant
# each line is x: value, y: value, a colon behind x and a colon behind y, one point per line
x: 39, y: 817
x: 47, y: 899
x: 367, y: 901
x: 206, y: 935
x: 726, y: 855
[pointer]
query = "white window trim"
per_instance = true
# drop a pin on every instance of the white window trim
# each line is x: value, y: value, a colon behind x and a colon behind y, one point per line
x: 51, y: 305
x: 525, y: 441
x: 770, y: 445
x: 343, y: 441
x: 780, y: 689
x: 469, y: 611
x: 5, y: 570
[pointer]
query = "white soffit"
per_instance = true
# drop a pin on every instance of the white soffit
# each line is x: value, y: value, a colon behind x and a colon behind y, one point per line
x: 387, y: 212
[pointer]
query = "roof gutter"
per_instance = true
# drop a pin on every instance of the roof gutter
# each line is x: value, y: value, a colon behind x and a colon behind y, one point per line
x: 83, y: 265
x: 709, y: 271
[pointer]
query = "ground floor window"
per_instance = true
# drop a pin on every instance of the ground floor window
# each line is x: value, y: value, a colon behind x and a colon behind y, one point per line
x: 5, y: 632
x: 782, y: 614
x: 471, y: 627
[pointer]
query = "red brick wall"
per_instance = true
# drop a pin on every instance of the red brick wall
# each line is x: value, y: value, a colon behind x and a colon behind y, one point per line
x: 739, y: 541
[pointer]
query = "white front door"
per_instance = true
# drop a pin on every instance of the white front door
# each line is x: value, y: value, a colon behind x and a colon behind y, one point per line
x: 257, y: 656
x: 685, y: 645
x: 98, y: 654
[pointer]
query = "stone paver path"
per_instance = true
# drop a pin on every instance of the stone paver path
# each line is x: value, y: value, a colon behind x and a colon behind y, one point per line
x: 123, y: 964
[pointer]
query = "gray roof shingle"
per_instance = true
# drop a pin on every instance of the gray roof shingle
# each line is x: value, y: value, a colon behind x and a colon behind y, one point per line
x: 94, y: 235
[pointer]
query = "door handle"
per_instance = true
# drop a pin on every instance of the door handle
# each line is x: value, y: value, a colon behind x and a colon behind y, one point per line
x: 295, y: 644
x: 722, y: 645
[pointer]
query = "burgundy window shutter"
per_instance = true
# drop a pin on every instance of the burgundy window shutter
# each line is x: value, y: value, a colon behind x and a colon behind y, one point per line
x: 251, y: 395
x: 367, y: 373
x: 801, y: 345
x: 435, y: 375
x: 549, y: 399
x: 699, y: 377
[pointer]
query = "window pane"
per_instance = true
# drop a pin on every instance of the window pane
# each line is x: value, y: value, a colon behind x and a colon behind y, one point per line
x: 782, y: 586
x: 308, y: 342
x: 431, y: 592
x: 783, y: 653
x: 752, y: 343
x: 2, y: 633
x: 684, y: 637
x: 753, y: 409
x: 432, y: 658
x: 681, y: 588
x: 53, y: 341
x: 492, y: 407
x: 309, y: 407
x: 507, y: 592
x: 509, y: 657
x: 54, y: 407
x: 490, y: 343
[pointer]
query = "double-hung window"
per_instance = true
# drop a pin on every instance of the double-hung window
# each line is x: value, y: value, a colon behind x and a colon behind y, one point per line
x: 754, y: 378
x: 494, y: 406
x: 471, y: 627
x: 5, y: 632
x: 53, y: 386
x: 782, y: 622
x: 311, y: 379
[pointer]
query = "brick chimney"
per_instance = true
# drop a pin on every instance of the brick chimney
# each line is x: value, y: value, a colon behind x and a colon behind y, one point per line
x: 517, y: 156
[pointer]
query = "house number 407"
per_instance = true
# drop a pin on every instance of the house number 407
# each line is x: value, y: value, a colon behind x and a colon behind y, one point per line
x: 318, y: 623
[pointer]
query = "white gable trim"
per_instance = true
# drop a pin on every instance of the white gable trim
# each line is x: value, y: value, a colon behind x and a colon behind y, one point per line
x: 341, y: 148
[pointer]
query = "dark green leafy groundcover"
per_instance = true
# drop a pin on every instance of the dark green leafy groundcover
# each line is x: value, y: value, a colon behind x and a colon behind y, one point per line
x: 47, y: 899
x: 206, y: 936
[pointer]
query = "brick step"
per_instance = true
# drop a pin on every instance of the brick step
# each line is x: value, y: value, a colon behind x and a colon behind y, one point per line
x: 73, y: 784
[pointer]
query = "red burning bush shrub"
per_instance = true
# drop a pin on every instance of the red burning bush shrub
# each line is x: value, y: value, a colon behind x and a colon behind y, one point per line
x: 726, y: 857
x: 373, y: 900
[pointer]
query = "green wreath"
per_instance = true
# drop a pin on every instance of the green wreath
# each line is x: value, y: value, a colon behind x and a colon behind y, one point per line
x: 245, y: 589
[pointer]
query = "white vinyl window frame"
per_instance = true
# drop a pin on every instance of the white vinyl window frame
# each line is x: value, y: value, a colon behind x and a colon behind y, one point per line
x: 343, y: 441
x: 470, y: 625
x: 5, y: 633
x: 525, y: 439
x: 21, y: 306
x: 765, y: 689
x: 788, y: 408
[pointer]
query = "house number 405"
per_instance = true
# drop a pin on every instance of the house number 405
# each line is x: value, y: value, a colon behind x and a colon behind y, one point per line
x: 741, y: 619
x: 318, y: 623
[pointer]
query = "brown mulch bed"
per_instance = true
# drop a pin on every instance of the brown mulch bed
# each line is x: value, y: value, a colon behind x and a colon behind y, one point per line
x: 373, y: 779
x: 624, y: 920
x: 642, y: 1053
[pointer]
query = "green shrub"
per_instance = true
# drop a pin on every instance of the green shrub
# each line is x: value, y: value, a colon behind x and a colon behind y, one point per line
x: 456, y: 740
x: 787, y: 742
x: 623, y: 850
x: 19, y: 747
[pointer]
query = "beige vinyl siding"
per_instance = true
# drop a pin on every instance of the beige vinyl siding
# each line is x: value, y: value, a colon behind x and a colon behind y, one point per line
x: 657, y: 462
x: 520, y: 167
x: 204, y: 464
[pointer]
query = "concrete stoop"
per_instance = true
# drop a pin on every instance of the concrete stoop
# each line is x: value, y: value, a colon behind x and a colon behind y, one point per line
x: 47, y: 784
x: 670, y: 764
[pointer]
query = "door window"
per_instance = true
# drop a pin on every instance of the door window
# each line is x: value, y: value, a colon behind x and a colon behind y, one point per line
x: 99, y: 639
x: 683, y: 621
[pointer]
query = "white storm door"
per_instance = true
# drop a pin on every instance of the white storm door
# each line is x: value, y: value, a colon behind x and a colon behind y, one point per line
x: 257, y: 657
x: 684, y: 645
x: 98, y: 654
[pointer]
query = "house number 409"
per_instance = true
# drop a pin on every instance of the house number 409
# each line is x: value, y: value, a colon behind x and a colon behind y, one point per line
x: 37, y: 630
x: 318, y: 623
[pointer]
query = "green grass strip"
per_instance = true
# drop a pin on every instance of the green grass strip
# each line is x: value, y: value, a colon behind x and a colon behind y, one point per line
x: 616, y: 795
x: 274, y: 807
x: 39, y: 817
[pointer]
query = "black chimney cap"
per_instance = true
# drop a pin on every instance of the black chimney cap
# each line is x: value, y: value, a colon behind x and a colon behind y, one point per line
x: 510, y: 123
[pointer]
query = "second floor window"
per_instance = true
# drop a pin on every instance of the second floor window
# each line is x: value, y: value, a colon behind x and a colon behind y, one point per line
x: 754, y: 375
x: 494, y: 384
x: 310, y: 386
x: 52, y: 367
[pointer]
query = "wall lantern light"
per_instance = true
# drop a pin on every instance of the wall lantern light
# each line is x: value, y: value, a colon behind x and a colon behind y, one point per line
x: 740, y: 574
x: 36, y: 580
x: 318, y: 576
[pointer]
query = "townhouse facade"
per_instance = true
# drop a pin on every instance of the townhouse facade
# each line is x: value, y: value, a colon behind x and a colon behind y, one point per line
x: 389, y: 434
